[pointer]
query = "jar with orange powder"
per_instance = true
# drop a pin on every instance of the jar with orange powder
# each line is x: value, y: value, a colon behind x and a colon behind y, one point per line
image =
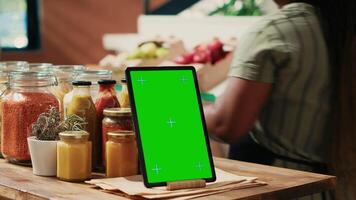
x: 5, y: 68
x: 28, y: 98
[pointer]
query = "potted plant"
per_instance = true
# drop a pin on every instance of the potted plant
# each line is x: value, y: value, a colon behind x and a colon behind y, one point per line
x: 43, y: 140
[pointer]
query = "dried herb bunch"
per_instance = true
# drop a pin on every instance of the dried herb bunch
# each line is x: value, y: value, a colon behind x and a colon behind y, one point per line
x: 49, y: 125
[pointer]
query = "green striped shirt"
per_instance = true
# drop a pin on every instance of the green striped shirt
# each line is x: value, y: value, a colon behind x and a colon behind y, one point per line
x: 288, y: 50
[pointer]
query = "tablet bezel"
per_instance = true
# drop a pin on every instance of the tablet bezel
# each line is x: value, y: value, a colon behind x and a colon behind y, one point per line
x: 136, y: 125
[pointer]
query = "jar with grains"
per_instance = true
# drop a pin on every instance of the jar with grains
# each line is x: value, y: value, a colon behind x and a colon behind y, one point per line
x: 74, y: 156
x: 121, y: 154
x: 5, y: 69
x: 87, y: 75
x: 115, y: 119
x: 27, y: 99
x: 124, y: 98
x: 83, y: 106
x: 64, y: 78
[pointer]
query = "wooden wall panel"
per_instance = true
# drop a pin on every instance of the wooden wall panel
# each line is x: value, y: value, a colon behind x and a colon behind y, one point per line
x: 72, y: 30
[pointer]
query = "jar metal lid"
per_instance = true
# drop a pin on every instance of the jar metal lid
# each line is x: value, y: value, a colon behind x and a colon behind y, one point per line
x: 106, y: 82
x: 74, y: 135
x: 81, y: 83
x: 117, y: 112
x: 121, y: 135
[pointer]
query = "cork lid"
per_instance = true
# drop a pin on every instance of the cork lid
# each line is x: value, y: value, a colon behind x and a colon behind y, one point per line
x: 117, y: 112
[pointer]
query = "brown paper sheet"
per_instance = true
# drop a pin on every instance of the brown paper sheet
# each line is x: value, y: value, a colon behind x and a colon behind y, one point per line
x: 134, y: 186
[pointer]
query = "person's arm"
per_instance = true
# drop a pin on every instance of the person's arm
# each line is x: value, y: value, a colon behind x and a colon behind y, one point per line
x: 236, y: 110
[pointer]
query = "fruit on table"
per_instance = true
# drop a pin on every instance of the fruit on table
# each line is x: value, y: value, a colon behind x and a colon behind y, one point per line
x: 160, y: 52
x: 148, y: 50
x: 204, y: 53
x: 136, y: 54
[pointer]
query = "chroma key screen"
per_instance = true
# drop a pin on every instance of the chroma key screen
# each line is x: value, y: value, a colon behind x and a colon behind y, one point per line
x: 170, y: 125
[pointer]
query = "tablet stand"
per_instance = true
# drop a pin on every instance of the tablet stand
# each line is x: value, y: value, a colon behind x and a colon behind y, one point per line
x: 177, y: 185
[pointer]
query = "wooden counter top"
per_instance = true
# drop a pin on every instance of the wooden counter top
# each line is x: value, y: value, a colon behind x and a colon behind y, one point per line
x: 18, y: 182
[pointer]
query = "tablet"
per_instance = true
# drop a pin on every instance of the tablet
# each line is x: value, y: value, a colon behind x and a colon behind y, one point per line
x: 169, y: 123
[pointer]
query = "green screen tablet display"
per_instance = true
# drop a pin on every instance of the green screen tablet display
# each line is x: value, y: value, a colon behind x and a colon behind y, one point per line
x: 173, y: 142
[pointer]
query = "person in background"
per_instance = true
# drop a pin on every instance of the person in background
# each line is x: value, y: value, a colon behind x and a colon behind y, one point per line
x: 278, y: 104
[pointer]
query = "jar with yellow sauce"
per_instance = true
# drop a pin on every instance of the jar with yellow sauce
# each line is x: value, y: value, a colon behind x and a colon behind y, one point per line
x: 83, y: 106
x: 123, y: 97
x: 121, y: 154
x: 74, y: 156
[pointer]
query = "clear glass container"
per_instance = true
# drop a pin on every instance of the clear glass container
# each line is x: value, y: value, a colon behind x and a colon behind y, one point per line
x: 88, y: 75
x: 5, y: 68
x: 64, y: 77
x: 115, y: 119
x: 28, y: 97
x: 83, y: 106
x: 10, y: 66
x: 124, y: 98
x: 74, y: 156
x: 121, y: 154
x: 3, y: 91
x: 93, y: 76
x: 40, y: 67
x: 106, y: 99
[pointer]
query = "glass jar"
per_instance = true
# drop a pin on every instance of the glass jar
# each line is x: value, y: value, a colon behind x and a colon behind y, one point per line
x: 3, y: 91
x: 124, y: 98
x: 93, y: 76
x: 121, y: 154
x: 64, y: 78
x: 74, y: 156
x: 115, y: 119
x: 83, y: 106
x: 9, y: 66
x: 27, y: 99
x: 87, y: 75
x: 5, y: 69
x: 40, y: 67
x: 106, y: 99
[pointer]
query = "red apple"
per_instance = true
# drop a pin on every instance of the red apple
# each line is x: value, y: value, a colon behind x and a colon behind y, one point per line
x: 184, y: 59
x: 216, y: 45
x: 201, y: 57
x: 200, y: 48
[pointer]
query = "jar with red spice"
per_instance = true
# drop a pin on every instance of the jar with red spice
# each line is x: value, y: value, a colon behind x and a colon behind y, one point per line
x: 27, y: 99
x: 116, y: 119
x: 5, y: 69
x: 3, y: 91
